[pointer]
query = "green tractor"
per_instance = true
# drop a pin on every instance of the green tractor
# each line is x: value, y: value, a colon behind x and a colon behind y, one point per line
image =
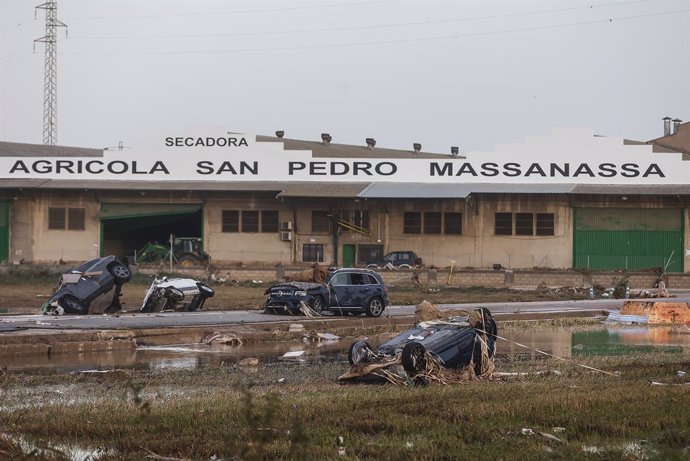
x: 187, y: 252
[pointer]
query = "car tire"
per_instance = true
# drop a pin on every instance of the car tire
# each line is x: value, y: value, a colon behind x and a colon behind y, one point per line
x: 358, y: 353
x: 413, y: 357
x: 206, y: 290
x: 72, y: 305
x: 120, y: 272
x: 317, y: 304
x: 404, y: 266
x: 375, y: 307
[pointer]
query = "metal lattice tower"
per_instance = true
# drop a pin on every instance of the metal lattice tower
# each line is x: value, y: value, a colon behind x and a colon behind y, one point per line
x: 50, y: 71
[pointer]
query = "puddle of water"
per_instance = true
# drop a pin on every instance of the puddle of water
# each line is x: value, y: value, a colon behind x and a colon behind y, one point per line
x: 559, y: 342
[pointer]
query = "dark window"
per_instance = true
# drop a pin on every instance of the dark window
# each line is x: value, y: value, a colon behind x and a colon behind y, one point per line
x: 432, y: 222
x: 56, y: 218
x: 312, y: 252
x: 524, y: 224
x: 358, y: 279
x: 269, y: 221
x: 366, y: 253
x: 545, y: 224
x: 412, y: 222
x: 504, y: 224
x: 231, y: 221
x: 76, y: 218
x: 452, y: 223
x: 372, y: 280
x: 250, y: 221
x: 320, y: 222
x: 67, y: 218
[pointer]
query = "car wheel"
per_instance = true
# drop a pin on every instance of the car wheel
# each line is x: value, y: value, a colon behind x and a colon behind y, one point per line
x: 358, y: 352
x: 413, y: 357
x: 375, y: 308
x: 72, y: 305
x: 317, y: 304
x: 206, y: 290
x: 174, y: 294
x: 121, y: 273
x: 404, y: 266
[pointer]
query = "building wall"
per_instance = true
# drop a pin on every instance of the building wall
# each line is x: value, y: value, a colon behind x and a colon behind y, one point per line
x: 21, y: 230
x: 65, y: 245
x: 241, y: 246
x: 478, y: 246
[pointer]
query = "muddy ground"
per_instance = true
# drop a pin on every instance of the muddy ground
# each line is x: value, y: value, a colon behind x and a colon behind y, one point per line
x: 27, y: 294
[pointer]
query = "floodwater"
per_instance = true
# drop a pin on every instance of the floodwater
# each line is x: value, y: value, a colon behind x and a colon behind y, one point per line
x: 610, y: 341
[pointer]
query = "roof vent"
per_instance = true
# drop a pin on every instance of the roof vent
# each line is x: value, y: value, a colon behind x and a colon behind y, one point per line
x: 667, y: 125
x: 280, y: 134
x: 326, y: 139
x: 676, y: 124
x: 371, y: 142
x: 417, y: 147
x: 454, y: 151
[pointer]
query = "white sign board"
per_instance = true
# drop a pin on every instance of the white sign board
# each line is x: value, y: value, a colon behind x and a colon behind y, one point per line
x: 565, y: 157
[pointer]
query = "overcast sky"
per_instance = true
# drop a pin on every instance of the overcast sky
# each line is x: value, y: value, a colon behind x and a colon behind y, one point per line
x: 470, y: 73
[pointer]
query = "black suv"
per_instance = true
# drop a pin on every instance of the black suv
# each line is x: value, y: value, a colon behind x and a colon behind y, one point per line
x: 344, y: 290
x: 396, y: 260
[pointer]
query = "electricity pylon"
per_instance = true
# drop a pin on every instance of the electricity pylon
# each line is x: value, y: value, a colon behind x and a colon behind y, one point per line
x: 50, y: 71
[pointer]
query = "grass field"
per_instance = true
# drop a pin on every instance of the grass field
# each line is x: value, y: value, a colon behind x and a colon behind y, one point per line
x: 551, y: 410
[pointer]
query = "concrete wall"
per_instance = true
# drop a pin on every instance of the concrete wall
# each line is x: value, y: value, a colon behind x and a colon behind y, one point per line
x: 34, y: 242
x: 228, y: 247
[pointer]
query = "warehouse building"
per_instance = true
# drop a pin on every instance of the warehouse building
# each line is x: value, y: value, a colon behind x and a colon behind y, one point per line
x: 566, y: 200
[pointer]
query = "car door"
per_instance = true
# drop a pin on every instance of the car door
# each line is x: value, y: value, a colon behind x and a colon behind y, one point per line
x: 349, y: 289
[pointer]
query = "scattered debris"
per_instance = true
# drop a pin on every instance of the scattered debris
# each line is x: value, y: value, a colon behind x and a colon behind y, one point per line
x: 248, y: 362
x: 293, y: 355
x: 223, y: 338
x: 313, y: 336
x: 652, y: 312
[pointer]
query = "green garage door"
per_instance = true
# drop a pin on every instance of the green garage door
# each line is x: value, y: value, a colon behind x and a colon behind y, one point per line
x: 628, y: 238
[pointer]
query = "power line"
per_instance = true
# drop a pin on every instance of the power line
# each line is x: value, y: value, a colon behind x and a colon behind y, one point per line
x: 222, y: 13
x: 367, y: 27
x: 396, y: 41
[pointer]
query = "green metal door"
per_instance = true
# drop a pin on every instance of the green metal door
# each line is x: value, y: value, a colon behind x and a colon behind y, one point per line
x: 4, y: 231
x: 628, y: 238
x: 348, y: 255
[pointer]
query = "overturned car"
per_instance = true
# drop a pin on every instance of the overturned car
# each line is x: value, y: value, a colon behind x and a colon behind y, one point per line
x: 446, y: 350
x: 95, y: 285
x: 176, y: 294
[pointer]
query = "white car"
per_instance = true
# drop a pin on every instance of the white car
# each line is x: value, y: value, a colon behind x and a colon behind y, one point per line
x: 175, y: 294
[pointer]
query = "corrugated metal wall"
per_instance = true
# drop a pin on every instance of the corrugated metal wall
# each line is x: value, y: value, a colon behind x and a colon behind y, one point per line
x: 628, y: 238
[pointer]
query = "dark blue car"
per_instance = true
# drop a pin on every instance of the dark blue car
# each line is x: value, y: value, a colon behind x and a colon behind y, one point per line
x: 455, y: 343
x: 89, y: 283
x: 343, y: 291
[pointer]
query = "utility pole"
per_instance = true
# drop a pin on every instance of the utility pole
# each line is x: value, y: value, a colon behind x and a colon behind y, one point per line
x: 50, y: 71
